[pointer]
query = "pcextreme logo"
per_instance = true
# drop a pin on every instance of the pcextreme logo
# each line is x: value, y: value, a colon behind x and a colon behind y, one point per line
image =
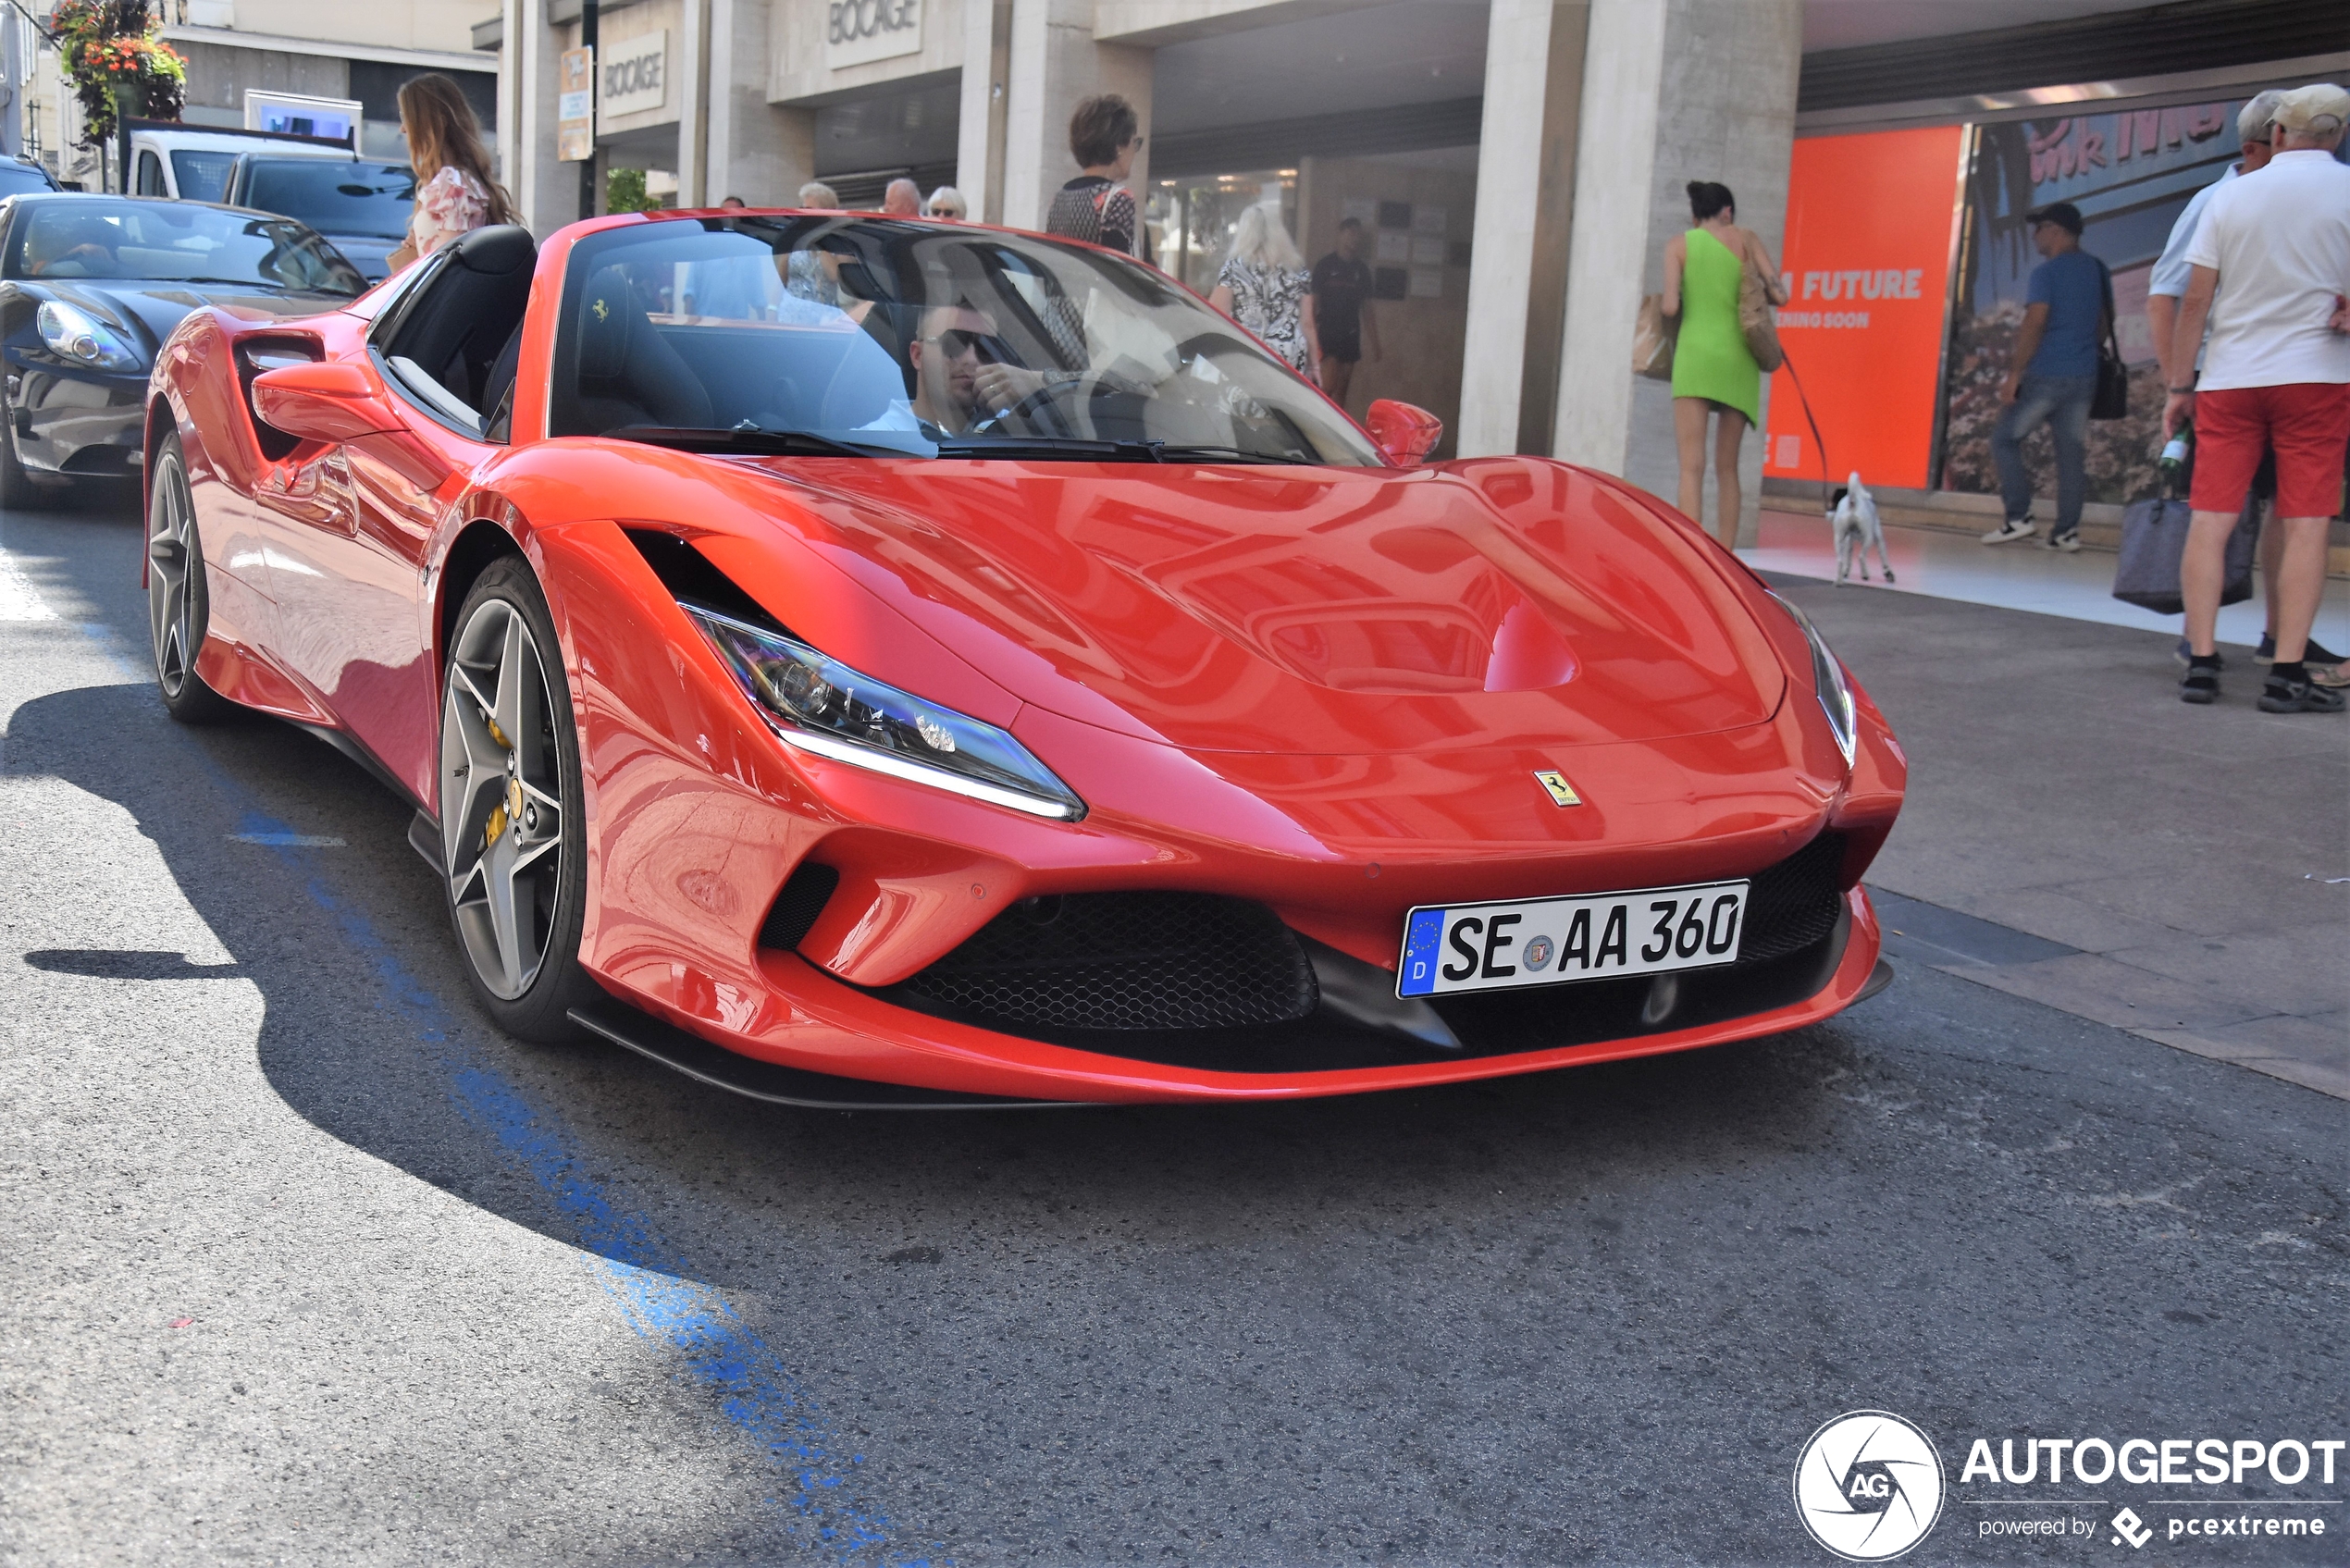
x: 1868, y: 1486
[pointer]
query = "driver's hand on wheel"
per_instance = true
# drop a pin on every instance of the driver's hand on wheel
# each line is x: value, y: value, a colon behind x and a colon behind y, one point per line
x: 1002, y: 386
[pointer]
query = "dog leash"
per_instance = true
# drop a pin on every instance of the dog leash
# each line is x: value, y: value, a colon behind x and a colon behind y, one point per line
x: 1786, y: 362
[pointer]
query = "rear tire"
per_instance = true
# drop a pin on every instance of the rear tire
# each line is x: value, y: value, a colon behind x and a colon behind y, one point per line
x: 512, y: 833
x: 178, y: 605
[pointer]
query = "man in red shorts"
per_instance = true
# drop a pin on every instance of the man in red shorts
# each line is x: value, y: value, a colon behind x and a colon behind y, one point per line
x: 2270, y: 270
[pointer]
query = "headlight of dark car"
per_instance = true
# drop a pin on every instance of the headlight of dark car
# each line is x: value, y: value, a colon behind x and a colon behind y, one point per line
x: 820, y: 705
x: 75, y: 333
x: 1828, y: 677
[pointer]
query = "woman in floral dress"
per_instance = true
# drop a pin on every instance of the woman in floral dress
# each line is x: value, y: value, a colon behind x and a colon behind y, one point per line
x: 1265, y: 285
x: 454, y: 193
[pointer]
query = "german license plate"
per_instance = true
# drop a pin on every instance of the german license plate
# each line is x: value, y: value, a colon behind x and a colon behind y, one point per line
x: 1549, y: 941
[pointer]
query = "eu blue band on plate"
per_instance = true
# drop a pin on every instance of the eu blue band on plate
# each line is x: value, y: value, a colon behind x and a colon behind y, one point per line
x: 1416, y: 977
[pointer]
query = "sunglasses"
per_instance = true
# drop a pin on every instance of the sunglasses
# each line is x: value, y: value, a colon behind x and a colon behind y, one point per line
x: 957, y: 342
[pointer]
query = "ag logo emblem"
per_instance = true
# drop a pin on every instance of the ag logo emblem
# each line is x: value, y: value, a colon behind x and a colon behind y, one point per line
x: 1868, y: 1486
x: 1561, y: 792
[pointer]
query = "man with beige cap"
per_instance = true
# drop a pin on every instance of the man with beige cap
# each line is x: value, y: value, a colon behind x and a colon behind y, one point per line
x: 2270, y: 271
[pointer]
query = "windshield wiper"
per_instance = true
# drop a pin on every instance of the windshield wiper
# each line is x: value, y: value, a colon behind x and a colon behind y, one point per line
x: 747, y: 437
x: 1100, y: 450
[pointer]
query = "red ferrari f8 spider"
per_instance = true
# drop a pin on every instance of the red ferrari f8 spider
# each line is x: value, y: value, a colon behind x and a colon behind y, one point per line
x: 865, y: 661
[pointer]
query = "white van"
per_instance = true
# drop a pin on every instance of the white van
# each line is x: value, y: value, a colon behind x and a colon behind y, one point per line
x: 193, y: 163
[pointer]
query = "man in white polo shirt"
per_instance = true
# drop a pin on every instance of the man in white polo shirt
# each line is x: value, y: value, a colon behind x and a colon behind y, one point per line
x: 2271, y: 270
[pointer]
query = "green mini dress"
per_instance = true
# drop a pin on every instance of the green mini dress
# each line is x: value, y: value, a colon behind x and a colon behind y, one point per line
x: 1710, y: 358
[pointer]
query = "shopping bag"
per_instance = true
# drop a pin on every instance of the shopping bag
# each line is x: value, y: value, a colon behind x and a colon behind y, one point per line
x: 2153, y: 539
x: 1652, y: 339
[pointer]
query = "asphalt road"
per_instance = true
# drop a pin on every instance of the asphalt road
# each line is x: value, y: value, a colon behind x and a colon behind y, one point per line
x: 303, y: 1262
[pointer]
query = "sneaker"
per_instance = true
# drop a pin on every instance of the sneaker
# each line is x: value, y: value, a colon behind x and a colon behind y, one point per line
x: 2201, y: 685
x: 2312, y: 652
x: 2068, y: 543
x: 2185, y: 654
x: 2298, y: 697
x: 2014, y: 528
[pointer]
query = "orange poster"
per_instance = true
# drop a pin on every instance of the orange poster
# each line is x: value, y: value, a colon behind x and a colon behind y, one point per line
x: 1870, y: 221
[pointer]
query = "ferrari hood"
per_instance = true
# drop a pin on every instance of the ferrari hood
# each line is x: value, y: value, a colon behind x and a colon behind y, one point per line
x: 1503, y: 601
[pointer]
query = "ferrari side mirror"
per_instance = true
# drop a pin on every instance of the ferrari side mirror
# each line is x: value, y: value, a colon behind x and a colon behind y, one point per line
x: 1403, y: 434
x: 330, y: 400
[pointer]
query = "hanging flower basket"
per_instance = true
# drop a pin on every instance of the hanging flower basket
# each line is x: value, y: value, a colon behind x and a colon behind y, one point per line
x: 111, y: 55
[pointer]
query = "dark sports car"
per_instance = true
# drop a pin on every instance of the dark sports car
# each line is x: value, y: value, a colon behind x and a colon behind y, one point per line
x: 91, y: 286
x: 864, y: 662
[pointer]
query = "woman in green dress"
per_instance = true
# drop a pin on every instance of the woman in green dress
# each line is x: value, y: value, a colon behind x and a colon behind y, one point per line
x: 1713, y: 372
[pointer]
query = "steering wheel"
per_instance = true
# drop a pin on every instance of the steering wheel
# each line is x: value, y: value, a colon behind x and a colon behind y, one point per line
x: 1040, y: 411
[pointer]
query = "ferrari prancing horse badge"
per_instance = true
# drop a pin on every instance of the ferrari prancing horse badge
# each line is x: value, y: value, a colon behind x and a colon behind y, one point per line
x: 1561, y: 792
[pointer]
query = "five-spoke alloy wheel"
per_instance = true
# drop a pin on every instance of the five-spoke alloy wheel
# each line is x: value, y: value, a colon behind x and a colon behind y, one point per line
x: 512, y: 844
x: 178, y: 607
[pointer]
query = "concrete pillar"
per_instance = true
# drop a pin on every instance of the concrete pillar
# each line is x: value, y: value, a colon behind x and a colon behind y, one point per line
x: 756, y: 151
x: 1534, y: 53
x: 693, y: 108
x: 1055, y: 64
x: 978, y: 141
x: 545, y: 190
x: 1675, y: 91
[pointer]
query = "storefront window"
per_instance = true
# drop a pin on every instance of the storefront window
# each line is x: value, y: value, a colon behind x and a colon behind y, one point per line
x: 1192, y: 220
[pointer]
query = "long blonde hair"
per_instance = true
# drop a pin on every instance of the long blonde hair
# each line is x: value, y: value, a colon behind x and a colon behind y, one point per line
x: 1262, y: 240
x: 442, y: 133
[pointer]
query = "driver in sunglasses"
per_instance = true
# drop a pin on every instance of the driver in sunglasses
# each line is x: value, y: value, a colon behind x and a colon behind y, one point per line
x: 960, y: 377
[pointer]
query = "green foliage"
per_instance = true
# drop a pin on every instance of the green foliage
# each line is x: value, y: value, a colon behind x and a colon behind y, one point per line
x: 113, y: 61
x: 625, y: 192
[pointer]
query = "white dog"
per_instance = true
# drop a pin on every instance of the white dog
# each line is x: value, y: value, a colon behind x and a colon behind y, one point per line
x: 1852, y: 514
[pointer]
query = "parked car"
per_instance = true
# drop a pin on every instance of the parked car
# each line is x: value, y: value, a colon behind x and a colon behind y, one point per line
x: 19, y: 175
x: 193, y: 163
x: 361, y: 207
x: 92, y: 285
x: 823, y: 648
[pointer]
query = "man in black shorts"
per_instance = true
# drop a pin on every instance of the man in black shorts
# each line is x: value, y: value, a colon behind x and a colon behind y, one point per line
x: 1341, y: 295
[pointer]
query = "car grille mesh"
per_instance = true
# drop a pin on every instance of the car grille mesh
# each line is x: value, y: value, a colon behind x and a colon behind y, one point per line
x: 1794, y: 904
x: 1123, y: 961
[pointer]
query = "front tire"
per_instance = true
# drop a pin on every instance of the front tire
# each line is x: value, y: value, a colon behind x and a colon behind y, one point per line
x: 513, y: 841
x: 17, y: 490
x: 178, y: 605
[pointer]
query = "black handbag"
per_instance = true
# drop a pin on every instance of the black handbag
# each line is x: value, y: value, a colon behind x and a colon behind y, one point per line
x: 2112, y: 399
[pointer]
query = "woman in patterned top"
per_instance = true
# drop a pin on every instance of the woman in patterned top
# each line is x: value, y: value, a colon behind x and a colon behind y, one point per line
x: 454, y: 193
x: 1265, y: 285
x: 1104, y: 136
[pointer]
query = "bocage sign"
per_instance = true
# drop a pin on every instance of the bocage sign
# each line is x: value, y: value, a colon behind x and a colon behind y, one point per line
x: 858, y: 31
x: 633, y: 75
x: 1870, y: 1484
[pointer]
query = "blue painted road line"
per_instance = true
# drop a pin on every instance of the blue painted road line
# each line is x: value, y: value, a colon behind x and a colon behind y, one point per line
x: 648, y: 1280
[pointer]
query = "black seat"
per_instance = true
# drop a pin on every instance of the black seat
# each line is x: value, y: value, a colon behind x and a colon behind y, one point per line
x: 471, y: 311
x: 628, y: 372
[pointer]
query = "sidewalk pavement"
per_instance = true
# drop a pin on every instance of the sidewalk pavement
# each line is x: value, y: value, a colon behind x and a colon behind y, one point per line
x: 2022, y: 576
x: 2077, y: 835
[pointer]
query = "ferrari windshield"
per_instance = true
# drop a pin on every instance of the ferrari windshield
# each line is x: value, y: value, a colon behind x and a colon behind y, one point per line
x: 890, y: 337
x: 98, y: 237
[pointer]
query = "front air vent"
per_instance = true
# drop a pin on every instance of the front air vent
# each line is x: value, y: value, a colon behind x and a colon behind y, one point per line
x: 690, y: 577
x: 1794, y: 904
x: 1122, y: 961
x: 805, y: 894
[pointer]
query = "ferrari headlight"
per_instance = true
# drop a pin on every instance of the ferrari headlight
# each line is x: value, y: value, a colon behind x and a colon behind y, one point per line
x: 820, y: 705
x: 1828, y: 675
x: 78, y: 335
